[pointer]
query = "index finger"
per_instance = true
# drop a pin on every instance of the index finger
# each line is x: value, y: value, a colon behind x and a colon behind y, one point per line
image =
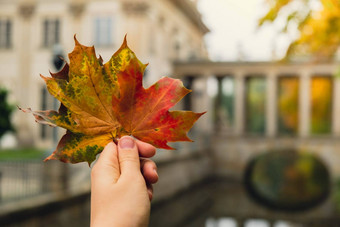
x: 145, y: 150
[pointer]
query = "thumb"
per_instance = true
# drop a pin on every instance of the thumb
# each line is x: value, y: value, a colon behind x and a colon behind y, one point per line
x: 128, y: 156
x: 106, y: 169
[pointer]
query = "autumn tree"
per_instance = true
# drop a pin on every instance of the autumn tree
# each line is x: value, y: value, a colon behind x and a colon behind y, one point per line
x: 318, y: 23
x: 5, y: 113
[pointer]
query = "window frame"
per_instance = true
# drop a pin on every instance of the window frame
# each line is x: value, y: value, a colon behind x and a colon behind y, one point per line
x: 51, y: 31
x: 6, y: 40
x: 103, y: 31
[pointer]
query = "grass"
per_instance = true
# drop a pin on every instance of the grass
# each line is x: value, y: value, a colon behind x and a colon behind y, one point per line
x: 21, y: 154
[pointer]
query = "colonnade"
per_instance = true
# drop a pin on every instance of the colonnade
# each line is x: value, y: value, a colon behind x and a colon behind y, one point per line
x: 199, y: 72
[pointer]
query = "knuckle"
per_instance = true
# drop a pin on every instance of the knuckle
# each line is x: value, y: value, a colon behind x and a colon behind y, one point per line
x: 128, y: 159
x: 151, y: 164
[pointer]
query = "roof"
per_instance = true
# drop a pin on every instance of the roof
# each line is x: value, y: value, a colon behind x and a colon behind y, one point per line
x: 189, y: 9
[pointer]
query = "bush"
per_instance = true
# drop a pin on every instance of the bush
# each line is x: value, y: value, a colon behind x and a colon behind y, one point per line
x: 5, y: 113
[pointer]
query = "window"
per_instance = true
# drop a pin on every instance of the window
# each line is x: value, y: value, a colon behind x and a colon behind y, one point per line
x: 177, y: 49
x: 51, y: 32
x: 103, y: 31
x: 43, y: 107
x: 5, y: 34
x: 48, y: 103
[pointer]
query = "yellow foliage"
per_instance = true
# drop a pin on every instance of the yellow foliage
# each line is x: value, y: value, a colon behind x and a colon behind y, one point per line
x: 321, y: 92
x: 319, y: 28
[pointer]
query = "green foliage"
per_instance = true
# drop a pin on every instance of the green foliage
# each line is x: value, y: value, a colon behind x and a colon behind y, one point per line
x: 5, y: 113
x: 256, y: 99
x: 21, y: 154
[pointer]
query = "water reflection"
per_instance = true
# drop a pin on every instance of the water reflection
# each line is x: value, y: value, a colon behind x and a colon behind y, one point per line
x: 232, y: 222
x: 222, y: 222
x: 287, y: 179
x: 225, y: 202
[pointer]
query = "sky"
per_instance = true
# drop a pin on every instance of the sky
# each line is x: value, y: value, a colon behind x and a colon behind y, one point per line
x: 234, y: 33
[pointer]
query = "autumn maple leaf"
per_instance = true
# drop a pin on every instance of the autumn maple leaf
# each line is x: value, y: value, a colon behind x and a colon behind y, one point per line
x: 100, y: 103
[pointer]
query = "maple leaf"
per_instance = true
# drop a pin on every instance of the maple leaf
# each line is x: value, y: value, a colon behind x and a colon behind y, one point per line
x: 101, y: 103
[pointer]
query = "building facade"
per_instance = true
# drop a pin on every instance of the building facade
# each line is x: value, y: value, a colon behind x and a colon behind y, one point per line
x: 33, y: 31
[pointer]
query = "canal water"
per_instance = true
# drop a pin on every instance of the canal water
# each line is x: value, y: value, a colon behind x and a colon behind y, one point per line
x: 226, y: 203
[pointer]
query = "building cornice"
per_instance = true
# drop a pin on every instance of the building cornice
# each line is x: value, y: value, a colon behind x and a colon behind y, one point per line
x: 135, y: 7
x: 189, y: 9
x: 207, y: 68
x: 26, y: 10
x: 76, y: 9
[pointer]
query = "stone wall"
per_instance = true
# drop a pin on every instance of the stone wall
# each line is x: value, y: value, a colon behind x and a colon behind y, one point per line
x: 232, y: 154
x: 62, y: 209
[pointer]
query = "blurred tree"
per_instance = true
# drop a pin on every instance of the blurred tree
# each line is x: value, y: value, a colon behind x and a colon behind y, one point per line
x: 318, y: 23
x: 5, y: 113
x: 288, y: 105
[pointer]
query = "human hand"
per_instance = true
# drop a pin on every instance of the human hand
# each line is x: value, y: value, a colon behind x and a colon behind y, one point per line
x: 121, y: 184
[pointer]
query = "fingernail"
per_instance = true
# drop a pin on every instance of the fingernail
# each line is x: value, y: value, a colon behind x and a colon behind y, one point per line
x: 126, y: 142
x: 155, y: 170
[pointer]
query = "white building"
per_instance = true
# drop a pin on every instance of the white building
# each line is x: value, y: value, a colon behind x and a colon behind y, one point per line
x: 158, y: 31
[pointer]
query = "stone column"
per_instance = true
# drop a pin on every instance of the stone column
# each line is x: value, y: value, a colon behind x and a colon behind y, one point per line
x: 201, y: 102
x: 304, y: 104
x: 336, y: 107
x: 217, y: 105
x: 137, y: 12
x: 23, y: 126
x: 239, y: 103
x: 206, y: 105
x: 271, y: 105
x: 76, y: 10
